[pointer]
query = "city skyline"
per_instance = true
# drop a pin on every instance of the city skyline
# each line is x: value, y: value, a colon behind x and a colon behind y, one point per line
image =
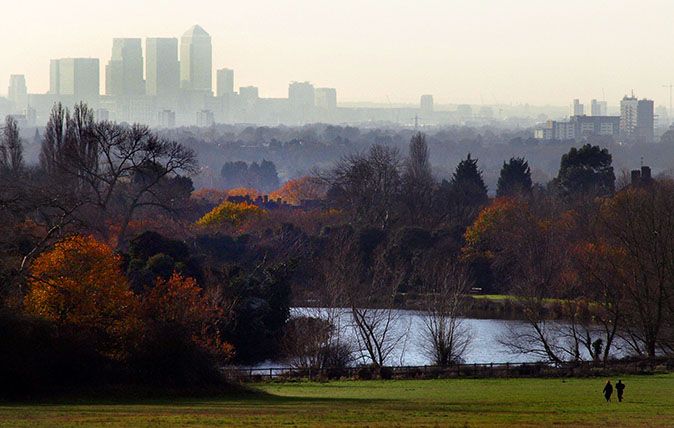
x: 463, y: 52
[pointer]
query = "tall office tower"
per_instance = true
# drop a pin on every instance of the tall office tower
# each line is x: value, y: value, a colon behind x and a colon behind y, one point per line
x: 124, y: 72
x: 578, y: 108
x: 17, y: 91
x: 426, y: 104
x: 161, y: 67
x: 301, y: 95
x: 225, y: 82
x: 75, y: 77
x: 645, y: 122
x: 302, y: 101
x: 196, y: 60
x: 326, y: 98
x: 598, y: 108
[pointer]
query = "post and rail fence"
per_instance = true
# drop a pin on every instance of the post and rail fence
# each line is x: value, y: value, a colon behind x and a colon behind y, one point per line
x: 481, y: 370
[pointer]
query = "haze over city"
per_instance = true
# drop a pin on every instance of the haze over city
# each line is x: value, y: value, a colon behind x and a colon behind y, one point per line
x: 475, y: 52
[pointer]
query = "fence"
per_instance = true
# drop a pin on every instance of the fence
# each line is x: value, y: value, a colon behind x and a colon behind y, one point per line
x: 584, y: 368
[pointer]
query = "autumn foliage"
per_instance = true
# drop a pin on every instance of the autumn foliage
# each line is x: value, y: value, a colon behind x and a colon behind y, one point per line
x: 180, y: 302
x: 79, y: 284
x: 299, y: 189
x: 230, y: 214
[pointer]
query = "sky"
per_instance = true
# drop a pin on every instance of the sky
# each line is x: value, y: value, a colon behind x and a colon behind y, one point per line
x: 539, y: 52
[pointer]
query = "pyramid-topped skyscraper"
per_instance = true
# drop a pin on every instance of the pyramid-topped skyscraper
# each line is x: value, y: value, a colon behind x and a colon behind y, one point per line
x: 196, y: 60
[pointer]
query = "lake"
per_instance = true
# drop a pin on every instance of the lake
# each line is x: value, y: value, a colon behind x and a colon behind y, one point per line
x: 484, y: 348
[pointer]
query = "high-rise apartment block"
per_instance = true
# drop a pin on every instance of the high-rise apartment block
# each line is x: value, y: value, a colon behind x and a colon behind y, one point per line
x: 326, y: 98
x: 637, y: 120
x: 426, y: 104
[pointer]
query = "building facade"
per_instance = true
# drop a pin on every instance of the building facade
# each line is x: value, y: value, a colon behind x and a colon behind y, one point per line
x: 196, y: 60
x: 637, y: 120
x: 162, y: 71
x: 124, y: 71
x: 75, y: 78
x: 224, y: 82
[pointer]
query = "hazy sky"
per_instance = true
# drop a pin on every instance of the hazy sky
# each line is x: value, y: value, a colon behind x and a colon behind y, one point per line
x: 462, y: 51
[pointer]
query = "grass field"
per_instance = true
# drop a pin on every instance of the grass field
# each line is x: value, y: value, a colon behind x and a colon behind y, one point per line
x: 464, y: 402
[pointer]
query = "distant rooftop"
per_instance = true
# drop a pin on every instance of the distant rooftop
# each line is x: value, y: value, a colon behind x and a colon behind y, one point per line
x: 196, y: 31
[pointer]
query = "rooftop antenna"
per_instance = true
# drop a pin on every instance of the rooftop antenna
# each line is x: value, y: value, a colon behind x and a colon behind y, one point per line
x: 642, y: 161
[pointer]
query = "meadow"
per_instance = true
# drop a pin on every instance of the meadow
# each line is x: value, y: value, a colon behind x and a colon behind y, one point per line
x: 649, y: 401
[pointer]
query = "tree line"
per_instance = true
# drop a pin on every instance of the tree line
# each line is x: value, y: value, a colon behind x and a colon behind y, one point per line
x: 110, y: 261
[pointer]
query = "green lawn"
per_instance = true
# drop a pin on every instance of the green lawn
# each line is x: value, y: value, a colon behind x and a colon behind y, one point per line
x: 464, y: 402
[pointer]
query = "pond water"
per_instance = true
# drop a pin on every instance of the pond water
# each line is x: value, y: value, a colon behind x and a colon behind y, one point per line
x: 485, y: 346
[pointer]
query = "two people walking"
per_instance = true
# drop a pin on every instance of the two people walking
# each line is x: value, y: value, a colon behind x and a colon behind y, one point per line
x: 608, y: 390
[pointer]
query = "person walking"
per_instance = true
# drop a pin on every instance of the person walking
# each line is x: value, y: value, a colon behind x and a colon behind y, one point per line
x: 608, y: 391
x: 620, y: 387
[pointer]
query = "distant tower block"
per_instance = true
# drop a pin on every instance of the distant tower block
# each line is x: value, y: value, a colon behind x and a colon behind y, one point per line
x: 578, y: 108
x: 426, y: 104
x: 225, y: 82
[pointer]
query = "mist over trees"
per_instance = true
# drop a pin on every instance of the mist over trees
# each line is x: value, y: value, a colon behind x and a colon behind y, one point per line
x: 109, y: 255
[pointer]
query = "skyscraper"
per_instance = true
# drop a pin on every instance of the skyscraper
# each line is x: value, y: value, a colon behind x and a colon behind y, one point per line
x: 426, y: 104
x: 302, y: 101
x: 162, y: 69
x: 124, y: 72
x: 75, y: 77
x: 578, y: 108
x: 326, y: 98
x: 225, y: 82
x: 645, y: 121
x: 301, y: 95
x: 628, y: 116
x: 637, y: 120
x: 17, y: 91
x: 196, y: 60
x: 598, y: 108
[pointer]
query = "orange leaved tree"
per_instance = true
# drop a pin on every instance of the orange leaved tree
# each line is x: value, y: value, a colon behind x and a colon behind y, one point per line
x: 79, y: 284
x: 178, y: 304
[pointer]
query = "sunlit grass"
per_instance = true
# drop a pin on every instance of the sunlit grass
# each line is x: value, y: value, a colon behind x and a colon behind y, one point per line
x: 460, y: 402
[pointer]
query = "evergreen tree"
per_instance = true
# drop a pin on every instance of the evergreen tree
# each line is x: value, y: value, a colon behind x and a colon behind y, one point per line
x: 515, y: 178
x: 586, y: 170
x: 467, y: 183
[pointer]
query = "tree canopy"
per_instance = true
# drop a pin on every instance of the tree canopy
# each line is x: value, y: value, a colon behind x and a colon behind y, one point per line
x: 515, y: 178
x: 586, y: 170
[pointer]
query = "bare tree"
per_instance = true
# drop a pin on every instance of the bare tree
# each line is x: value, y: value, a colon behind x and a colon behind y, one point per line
x: 367, y: 286
x: 116, y: 170
x: 445, y: 338
x: 529, y: 252
x: 639, y: 223
x: 368, y: 186
x: 11, y: 148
